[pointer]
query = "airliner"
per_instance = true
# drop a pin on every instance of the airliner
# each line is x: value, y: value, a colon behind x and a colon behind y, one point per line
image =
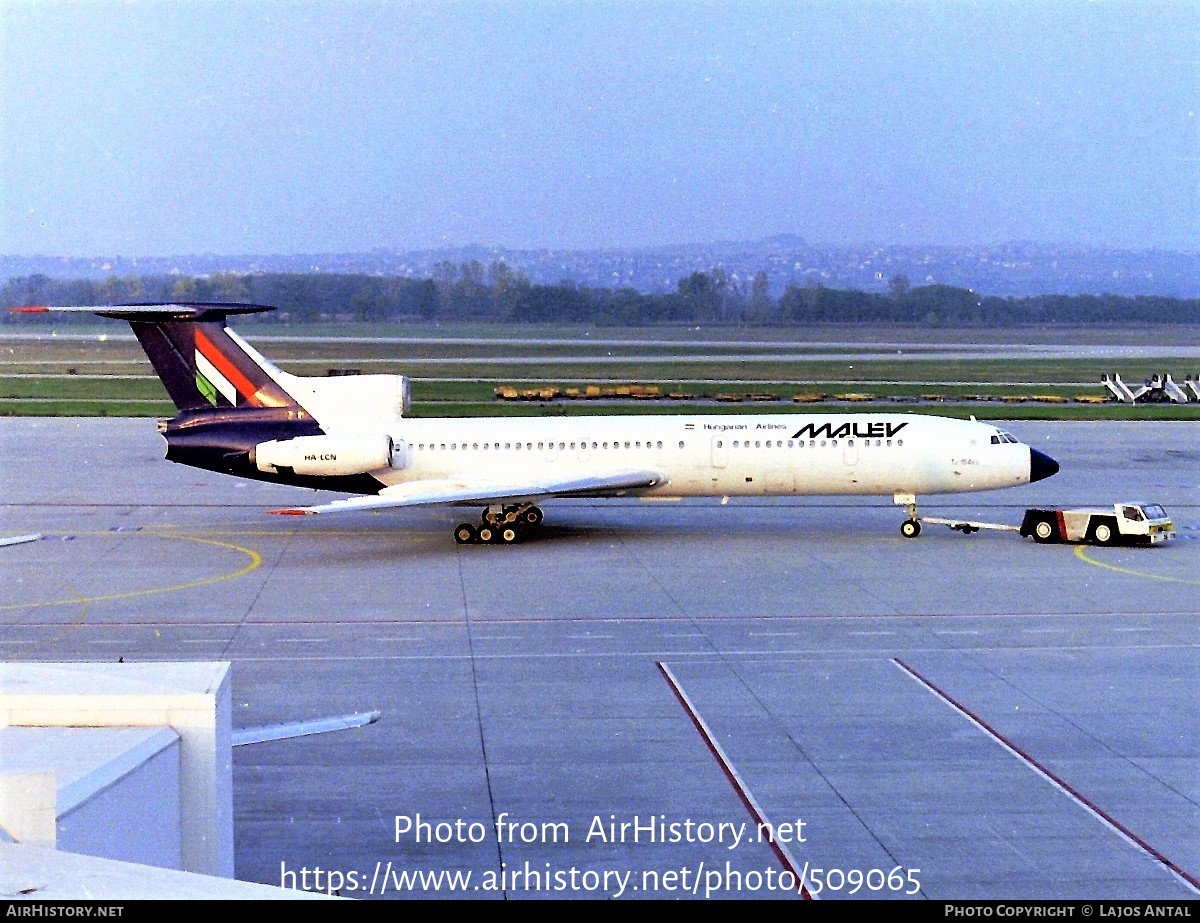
x: 239, y: 414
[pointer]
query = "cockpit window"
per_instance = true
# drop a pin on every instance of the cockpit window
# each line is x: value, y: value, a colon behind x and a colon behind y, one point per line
x: 1006, y: 438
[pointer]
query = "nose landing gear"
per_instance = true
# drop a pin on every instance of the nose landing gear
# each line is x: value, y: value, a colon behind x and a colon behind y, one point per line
x: 911, y: 527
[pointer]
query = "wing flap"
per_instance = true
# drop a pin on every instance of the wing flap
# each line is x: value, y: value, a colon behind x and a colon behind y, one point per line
x: 482, y: 493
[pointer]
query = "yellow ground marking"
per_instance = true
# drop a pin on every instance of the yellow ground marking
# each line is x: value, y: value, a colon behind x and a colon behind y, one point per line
x: 1081, y: 553
x: 254, y: 556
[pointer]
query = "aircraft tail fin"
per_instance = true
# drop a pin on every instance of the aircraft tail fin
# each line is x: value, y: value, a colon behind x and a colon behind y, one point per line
x: 202, y: 363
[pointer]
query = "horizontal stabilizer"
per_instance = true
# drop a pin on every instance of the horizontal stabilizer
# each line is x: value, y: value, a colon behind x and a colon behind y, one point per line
x: 153, y: 310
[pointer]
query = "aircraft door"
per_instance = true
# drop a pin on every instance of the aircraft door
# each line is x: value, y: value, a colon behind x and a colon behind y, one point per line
x: 850, y: 453
x: 401, y: 454
x: 720, y: 452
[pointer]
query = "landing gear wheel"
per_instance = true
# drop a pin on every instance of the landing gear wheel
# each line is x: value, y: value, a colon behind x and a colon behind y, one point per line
x: 465, y: 533
x: 509, y: 515
x: 910, y: 528
x: 1103, y: 534
x: 487, y: 534
x: 507, y: 535
x: 1044, y: 531
x: 532, y: 516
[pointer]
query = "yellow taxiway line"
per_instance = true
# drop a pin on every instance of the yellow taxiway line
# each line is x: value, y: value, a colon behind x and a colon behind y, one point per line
x: 1081, y: 553
x: 255, y: 563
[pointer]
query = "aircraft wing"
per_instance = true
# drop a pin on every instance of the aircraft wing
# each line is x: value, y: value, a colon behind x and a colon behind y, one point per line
x: 482, y: 493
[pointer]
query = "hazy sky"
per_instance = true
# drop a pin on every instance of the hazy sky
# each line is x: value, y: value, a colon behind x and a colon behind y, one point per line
x: 156, y: 128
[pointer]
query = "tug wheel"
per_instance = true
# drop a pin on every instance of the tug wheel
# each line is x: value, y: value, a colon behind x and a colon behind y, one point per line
x: 1044, y: 531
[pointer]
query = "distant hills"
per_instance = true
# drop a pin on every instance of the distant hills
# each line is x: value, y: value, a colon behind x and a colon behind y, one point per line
x: 1010, y: 269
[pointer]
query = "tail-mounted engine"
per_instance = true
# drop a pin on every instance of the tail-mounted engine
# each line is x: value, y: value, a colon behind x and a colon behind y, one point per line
x: 327, y: 455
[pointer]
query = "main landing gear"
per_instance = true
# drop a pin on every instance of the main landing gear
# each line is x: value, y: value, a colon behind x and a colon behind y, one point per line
x: 911, y: 527
x: 502, y: 525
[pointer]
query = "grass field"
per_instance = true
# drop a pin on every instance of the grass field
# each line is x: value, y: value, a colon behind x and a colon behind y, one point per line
x: 456, y: 371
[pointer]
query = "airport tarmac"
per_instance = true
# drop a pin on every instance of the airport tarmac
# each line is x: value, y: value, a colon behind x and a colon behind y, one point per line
x: 611, y: 708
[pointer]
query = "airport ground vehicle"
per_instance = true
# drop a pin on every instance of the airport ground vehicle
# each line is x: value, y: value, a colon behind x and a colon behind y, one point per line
x: 1120, y: 524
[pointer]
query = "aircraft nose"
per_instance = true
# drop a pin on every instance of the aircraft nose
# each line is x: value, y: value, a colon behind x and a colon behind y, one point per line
x: 1041, y: 466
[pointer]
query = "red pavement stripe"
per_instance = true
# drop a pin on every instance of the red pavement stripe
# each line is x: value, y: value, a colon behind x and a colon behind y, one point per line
x: 1074, y: 794
x: 756, y: 812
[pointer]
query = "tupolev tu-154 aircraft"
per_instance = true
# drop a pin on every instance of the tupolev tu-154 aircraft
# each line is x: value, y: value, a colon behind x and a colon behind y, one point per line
x: 240, y: 415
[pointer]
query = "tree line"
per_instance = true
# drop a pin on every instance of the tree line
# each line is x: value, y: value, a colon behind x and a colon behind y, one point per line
x: 469, y: 291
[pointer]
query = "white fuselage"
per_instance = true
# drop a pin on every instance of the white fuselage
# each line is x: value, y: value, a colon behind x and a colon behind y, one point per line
x: 776, y: 454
